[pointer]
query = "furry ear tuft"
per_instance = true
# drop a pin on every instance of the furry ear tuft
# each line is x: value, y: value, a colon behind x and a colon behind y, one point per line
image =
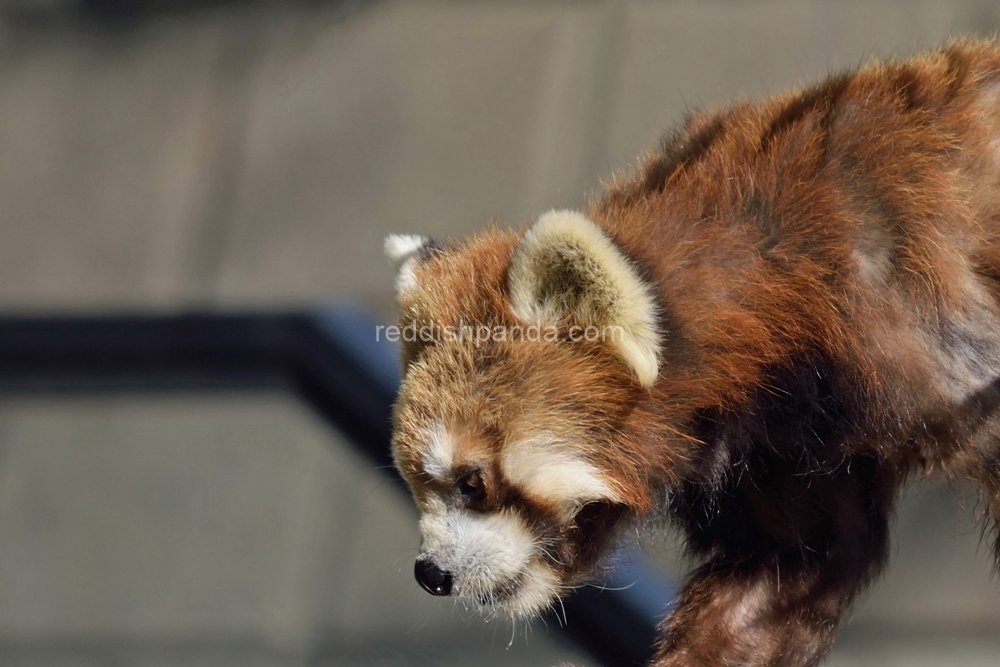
x: 566, y: 266
x: 400, y: 247
x: 403, y: 250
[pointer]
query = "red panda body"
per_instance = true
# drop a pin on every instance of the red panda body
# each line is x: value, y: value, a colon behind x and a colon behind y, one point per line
x: 803, y: 297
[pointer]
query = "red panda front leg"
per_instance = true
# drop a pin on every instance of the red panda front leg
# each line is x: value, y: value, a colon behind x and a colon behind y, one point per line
x: 733, y: 617
x: 789, y: 556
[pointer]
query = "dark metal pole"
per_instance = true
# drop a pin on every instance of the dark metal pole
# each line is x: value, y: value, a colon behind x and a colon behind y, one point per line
x: 332, y: 359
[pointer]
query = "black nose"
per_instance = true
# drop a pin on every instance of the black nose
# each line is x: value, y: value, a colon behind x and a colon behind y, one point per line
x: 431, y: 578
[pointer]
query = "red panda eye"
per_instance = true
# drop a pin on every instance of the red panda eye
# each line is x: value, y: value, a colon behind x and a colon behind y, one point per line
x: 471, y: 486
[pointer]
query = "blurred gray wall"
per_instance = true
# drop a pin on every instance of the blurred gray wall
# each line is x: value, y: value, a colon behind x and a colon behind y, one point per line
x: 255, y: 156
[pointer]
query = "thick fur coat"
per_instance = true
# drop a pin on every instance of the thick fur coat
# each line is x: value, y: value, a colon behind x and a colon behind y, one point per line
x: 803, y: 299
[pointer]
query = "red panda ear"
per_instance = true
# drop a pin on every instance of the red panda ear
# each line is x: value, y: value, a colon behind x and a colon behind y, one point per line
x: 403, y: 250
x: 567, y: 267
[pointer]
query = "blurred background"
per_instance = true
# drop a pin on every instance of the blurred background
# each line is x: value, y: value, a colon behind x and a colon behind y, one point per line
x: 176, y: 155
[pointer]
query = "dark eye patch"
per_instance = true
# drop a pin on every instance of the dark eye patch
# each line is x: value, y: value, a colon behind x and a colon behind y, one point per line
x: 472, y: 487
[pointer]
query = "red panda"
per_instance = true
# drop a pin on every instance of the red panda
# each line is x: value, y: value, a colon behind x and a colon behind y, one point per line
x: 786, y: 311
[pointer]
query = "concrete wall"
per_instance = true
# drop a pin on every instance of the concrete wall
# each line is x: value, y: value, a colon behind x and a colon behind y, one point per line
x: 258, y: 157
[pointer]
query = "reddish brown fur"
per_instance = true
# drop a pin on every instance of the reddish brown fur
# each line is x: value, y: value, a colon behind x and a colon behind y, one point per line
x: 828, y: 265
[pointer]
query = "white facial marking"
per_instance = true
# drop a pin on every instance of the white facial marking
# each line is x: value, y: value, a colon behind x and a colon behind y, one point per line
x: 438, y: 452
x: 549, y: 470
x: 433, y: 523
x: 482, y: 551
x: 540, y: 586
x: 493, y: 558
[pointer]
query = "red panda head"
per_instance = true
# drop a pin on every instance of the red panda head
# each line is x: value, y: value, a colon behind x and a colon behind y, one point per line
x: 524, y: 355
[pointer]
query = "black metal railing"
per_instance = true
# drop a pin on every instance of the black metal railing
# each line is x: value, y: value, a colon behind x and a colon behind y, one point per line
x: 330, y: 357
